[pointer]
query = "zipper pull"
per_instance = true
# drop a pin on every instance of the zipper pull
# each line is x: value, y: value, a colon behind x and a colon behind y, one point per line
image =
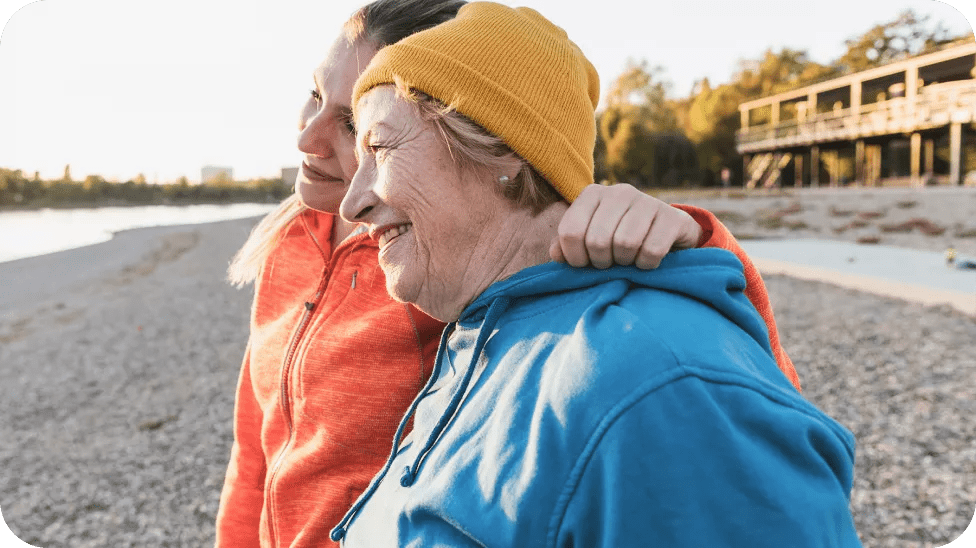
x: 309, y: 306
x: 354, y: 272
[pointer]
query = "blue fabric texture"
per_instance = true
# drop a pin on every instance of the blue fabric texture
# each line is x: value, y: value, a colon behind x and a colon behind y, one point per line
x: 612, y: 408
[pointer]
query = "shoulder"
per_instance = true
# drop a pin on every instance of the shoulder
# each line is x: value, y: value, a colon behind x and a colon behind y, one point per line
x: 706, y: 458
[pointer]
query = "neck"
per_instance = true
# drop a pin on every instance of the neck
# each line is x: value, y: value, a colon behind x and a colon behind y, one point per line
x: 340, y: 230
x: 517, y: 241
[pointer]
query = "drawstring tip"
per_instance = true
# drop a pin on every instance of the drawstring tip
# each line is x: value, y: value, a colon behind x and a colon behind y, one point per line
x: 337, y: 534
x: 406, y: 480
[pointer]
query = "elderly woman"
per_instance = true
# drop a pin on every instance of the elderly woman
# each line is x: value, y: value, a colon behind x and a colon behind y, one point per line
x: 567, y: 407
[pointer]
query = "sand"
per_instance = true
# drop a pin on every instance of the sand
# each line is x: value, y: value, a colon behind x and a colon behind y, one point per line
x: 119, y: 364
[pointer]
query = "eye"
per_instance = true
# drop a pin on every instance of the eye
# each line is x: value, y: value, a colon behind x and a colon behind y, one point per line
x: 316, y: 95
x: 348, y: 123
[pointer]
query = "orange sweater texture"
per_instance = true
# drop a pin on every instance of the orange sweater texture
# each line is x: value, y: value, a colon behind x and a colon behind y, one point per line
x: 332, y: 364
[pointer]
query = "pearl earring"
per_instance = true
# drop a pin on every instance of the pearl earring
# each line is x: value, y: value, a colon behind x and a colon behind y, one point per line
x: 503, y: 180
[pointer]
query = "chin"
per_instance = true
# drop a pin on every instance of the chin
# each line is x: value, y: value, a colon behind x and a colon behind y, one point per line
x: 395, y: 286
x: 320, y: 199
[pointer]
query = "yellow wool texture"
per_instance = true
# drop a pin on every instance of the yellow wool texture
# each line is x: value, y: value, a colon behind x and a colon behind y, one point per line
x: 514, y: 73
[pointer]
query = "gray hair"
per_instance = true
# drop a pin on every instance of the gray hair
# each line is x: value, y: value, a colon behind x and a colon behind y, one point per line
x: 474, y: 149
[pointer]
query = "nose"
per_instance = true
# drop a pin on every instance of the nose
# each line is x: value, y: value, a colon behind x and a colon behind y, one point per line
x: 316, y: 133
x: 360, y: 202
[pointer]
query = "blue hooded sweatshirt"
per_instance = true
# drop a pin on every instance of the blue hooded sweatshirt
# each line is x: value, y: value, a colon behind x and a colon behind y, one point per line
x: 611, y: 408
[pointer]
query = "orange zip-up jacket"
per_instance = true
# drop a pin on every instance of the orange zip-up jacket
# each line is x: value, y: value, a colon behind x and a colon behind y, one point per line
x: 331, y: 366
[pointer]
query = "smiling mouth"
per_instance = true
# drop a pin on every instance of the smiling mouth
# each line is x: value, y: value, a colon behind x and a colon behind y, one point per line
x: 392, y: 233
x: 313, y: 175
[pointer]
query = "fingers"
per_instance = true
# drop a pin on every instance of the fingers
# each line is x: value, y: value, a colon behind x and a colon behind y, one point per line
x: 671, y: 229
x: 631, y: 233
x: 603, y: 232
x: 573, y: 226
x: 621, y: 225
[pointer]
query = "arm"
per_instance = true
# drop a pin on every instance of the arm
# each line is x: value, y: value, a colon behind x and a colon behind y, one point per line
x: 620, y: 224
x: 703, y: 463
x: 242, y: 498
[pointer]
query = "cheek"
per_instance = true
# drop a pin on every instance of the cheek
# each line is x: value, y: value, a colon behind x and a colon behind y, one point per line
x: 345, y: 150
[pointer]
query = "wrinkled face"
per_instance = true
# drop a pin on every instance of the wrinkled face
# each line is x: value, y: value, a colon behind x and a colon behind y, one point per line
x: 429, y: 217
x: 327, y: 135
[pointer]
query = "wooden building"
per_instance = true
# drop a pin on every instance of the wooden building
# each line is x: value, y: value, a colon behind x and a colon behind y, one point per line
x: 905, y: 123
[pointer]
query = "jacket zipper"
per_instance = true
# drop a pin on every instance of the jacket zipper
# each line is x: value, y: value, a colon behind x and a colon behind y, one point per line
x: 285, y: 377
x: 286, y: 407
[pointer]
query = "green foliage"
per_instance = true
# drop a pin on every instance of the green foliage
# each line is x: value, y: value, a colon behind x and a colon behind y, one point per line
x: 16, y: 191
x: 638, y: 132
x: 629, y: 147
x: 906, y: 35
x: 640, y: 89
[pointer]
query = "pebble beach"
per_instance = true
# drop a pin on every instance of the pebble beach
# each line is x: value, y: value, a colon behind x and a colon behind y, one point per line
x: 120, y: 361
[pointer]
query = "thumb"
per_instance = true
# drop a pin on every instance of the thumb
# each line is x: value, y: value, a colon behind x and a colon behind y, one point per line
x: 556, y: 251
x: 689, y: 234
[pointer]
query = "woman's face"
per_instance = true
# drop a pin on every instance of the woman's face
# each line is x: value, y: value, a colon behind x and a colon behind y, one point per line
x: 327, y: 135
x: 429, y: 217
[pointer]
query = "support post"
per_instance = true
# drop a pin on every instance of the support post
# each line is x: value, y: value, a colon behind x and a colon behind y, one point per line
x: 911, y: 83
x: 916, y: 158
x: 955, y: 153
x: 929, y: 158
x: 774, y: 114
x: 859, y: 162
x: 856, y: 99
x: 746, y: 159
x: 798, y: 169
x: 831, y: 158
x: 874, y: 164
x: 814, y: 166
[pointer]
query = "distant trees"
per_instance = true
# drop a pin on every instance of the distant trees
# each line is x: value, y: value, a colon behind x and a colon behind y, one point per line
x: 638, y: 138
x: 646, y: 139
x: 16, y: 191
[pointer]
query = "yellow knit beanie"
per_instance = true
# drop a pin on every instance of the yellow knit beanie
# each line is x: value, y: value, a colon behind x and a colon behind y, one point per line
x: 514, y: 73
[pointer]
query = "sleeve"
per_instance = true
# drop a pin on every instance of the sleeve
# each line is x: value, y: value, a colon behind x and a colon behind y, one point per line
x: 242, y: 498
x: 715, y: 234
x: 698, y: 463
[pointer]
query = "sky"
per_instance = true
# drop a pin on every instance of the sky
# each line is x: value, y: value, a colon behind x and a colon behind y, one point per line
x: 125, y: 87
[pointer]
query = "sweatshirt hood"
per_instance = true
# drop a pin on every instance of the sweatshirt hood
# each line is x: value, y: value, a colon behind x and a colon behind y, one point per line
x: 712, y: 276
x: 709, y: 275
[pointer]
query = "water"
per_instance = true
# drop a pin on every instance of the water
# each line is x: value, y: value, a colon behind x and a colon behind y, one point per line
x: 898, y: 264
x: 33, y: 233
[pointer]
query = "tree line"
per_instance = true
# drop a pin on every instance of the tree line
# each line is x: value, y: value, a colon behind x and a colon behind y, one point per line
x: 649, y: 140
x: 19, y: 191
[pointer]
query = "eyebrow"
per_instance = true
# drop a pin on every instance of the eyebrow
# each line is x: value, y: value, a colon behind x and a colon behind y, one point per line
x: 369, y: 132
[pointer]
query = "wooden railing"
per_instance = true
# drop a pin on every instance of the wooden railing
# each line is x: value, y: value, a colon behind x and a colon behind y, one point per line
x: 934, y: 106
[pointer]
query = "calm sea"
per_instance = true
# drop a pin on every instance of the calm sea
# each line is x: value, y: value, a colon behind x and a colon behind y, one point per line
x: 32, y: 233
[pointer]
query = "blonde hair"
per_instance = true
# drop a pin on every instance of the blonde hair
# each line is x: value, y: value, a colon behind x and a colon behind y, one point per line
x: 474, y: 149
x: 378, y: 23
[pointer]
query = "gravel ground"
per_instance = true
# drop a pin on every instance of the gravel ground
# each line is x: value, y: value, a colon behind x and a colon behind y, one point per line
x: 931, y: 219
x: 117, y: 398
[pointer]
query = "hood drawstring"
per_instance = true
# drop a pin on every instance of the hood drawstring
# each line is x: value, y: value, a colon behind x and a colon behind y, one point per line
x: 497, y: 308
